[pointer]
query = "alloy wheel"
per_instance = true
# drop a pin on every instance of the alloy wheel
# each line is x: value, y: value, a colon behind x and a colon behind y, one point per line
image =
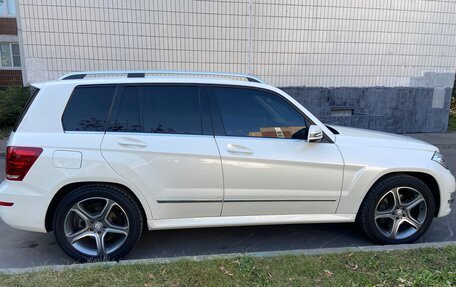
x: 96, y: 226
x: 400, y: 212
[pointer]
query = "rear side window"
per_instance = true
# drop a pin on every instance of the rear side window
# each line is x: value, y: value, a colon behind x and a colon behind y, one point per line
x: 88, y: 108
x: 127, y: 118
x: 158, y: 109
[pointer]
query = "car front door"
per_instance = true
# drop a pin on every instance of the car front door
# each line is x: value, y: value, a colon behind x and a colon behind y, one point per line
x: 268, y: 168
x: 160, y: 138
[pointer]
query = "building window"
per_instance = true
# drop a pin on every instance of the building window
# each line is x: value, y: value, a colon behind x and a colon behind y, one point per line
x: 7, y: 8
x: 9, y: 54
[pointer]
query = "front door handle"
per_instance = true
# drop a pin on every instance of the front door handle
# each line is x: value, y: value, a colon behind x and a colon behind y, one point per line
x: 131, y: 142
x: 234, y: 148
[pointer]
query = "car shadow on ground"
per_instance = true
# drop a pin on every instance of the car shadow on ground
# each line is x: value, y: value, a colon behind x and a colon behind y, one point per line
x: 191, y: 242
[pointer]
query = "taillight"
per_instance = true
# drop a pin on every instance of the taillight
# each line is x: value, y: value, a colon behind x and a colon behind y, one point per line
x: 19, y: 160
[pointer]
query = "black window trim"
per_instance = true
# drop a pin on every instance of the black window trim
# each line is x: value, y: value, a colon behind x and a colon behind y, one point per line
x: 116, y: 105
x: 205, y: 109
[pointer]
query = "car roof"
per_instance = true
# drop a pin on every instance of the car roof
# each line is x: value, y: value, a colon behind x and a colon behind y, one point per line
x: 152, y: 79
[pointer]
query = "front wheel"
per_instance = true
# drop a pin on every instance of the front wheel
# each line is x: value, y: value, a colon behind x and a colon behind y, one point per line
x: 97, y: 222
x: 398, y: 209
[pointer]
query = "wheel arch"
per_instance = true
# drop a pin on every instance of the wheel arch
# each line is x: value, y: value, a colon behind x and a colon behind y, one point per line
x: 428, y: 179
x: 67, y: 189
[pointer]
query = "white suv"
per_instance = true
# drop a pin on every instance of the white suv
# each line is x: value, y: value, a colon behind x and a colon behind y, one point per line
x: 97, y: 159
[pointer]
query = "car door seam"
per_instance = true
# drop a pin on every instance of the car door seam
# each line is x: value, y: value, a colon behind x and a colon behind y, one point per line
x: 343, y: 178
x: 223, y: 175
x: 144, y: 199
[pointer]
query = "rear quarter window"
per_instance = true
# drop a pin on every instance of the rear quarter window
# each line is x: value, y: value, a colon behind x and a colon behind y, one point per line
x: 88, y: 108
x: 34, y: 92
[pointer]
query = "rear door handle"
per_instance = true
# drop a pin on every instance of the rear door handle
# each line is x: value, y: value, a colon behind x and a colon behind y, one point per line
x: 131, y: 142
x: 234, y: 148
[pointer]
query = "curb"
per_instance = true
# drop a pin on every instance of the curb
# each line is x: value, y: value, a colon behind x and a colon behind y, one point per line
x: 163, y: 260
x: 445, y: 146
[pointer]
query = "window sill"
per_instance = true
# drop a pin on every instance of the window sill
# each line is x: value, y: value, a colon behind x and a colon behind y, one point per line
x: 10, y: 68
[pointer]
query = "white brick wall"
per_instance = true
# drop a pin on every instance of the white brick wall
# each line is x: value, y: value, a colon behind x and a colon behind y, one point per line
x: 313, y: 43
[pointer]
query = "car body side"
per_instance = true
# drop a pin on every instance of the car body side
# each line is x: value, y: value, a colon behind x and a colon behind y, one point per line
x: 365, y: 160
x: 368, y: 159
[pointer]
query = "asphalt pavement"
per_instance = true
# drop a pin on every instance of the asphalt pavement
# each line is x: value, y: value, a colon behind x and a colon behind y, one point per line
x: 27, y: 249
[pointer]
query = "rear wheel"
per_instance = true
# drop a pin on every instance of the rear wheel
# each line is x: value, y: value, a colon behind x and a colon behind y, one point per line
x: 97, y: 222
x: 399, y: 209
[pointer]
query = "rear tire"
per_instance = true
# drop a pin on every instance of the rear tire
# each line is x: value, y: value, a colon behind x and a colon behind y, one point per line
x: 97, y: 222
x: 398, y: 209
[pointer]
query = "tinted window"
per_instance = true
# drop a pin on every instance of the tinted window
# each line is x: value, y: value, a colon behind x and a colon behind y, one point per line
x: 127, y: 118
x: 34, y: 92
x: 257, y: 113
x: 88, y: 108
x: 159, y: 109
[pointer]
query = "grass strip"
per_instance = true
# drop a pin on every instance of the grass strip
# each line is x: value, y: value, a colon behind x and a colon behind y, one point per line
x: 420, y: 267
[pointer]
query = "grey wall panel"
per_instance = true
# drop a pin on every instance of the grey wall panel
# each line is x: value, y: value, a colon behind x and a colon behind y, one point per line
x: 400, y: 110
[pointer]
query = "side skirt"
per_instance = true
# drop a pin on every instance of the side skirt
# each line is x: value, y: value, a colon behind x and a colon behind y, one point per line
x: 221, y: 221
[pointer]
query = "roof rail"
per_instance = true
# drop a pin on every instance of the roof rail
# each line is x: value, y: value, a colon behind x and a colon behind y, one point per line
x: 142, y: 74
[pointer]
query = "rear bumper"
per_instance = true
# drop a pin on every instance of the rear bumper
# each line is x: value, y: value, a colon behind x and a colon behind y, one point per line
x: 29, y: 207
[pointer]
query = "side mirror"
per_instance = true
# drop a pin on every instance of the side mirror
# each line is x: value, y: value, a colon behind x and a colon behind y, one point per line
x: 315, y: 134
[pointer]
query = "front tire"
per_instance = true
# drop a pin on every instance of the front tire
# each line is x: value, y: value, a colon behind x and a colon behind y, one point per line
x: 398, y: 209
x: 97, y: 222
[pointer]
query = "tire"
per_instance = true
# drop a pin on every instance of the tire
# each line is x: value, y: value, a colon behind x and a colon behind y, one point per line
x: 97, y: 222
x: 381, y: 213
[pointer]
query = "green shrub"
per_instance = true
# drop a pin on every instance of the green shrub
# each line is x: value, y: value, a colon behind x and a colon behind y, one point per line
x: 12, y: 102
x: 453, y: 103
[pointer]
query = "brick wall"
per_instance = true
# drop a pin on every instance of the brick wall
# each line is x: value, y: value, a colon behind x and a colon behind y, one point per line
x: 8, y: 26
x: 324, y: 43
x: 10, y: 78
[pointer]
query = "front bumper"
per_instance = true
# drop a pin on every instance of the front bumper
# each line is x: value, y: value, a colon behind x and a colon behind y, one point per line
x: 447, y: 185
x: 29, y: 209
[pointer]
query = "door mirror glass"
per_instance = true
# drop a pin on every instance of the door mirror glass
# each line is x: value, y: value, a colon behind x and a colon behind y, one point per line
x: 300, y: 134
x: 315, y: 134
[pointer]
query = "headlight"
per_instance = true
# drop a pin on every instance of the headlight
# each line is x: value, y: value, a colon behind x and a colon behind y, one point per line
x: 438, y: 157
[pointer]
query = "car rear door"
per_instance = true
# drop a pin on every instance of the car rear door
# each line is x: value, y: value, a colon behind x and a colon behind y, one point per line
x: 160, y: 138
x: 267, y: 170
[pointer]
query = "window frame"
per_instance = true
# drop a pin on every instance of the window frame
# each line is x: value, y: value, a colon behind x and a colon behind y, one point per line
x: 217, y: 120
x: 11, y: 55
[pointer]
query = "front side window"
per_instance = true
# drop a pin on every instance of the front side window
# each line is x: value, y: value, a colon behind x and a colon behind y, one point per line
x: 257, y: 113
x: 158, y: 109
x: 88, y: 108
x: 9, y: 54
